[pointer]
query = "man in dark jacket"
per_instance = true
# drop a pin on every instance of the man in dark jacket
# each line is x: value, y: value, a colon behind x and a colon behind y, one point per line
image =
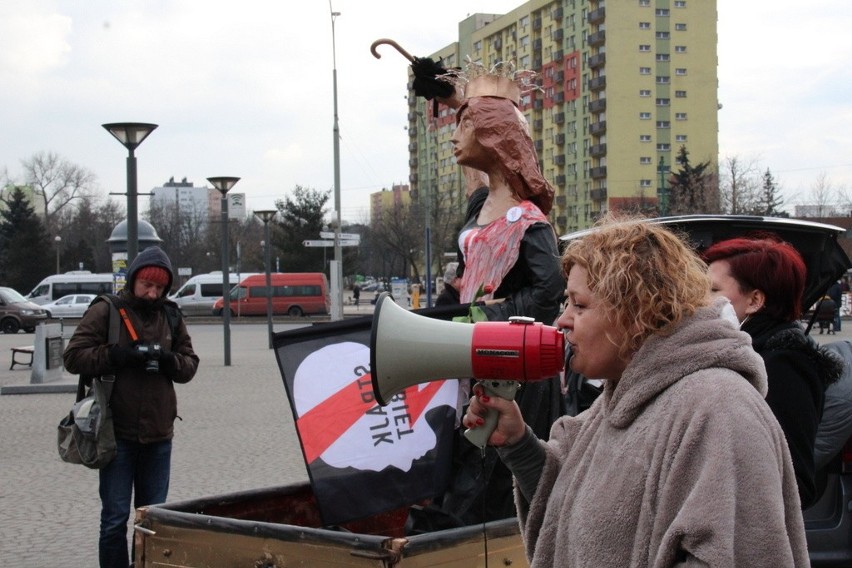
x: 153, y: 352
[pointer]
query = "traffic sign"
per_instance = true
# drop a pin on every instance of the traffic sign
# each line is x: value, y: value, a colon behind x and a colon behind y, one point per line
x: 343, y: 236
x: 313, y: 243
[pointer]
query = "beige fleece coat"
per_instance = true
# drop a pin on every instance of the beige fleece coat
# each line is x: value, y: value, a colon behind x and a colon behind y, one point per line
x: 681, y: 463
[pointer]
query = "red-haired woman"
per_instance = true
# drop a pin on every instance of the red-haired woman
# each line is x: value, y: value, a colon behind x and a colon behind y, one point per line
x: 764, y: 278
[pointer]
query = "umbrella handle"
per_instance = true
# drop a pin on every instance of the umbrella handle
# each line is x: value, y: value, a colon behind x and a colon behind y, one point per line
x: 391, y: 42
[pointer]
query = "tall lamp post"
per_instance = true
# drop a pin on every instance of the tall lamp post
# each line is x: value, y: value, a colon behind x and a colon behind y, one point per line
x: 223, y: 185
x: 131, y: 134
x: 58, y: 240
x: 337, y: 304
x: 664, y: 198
x: 266, y: 216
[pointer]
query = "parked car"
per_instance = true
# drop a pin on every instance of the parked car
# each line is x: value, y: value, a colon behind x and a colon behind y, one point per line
x: 16, y: 312
x: 828, y: 523
x: 70, y: 306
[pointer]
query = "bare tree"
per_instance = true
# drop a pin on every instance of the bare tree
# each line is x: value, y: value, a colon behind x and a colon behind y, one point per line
x: 739, y: 185
x: 823, y: 197
x: 398, y: 236
x: 55, y: 183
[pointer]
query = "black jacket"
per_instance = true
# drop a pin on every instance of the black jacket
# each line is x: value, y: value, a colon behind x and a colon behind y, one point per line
x: 798, y: 372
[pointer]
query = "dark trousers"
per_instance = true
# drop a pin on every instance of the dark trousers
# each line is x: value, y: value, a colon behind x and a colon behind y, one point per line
x: 137, y: 468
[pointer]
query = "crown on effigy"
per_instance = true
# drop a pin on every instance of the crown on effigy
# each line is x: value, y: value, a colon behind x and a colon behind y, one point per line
x: 502, y: 80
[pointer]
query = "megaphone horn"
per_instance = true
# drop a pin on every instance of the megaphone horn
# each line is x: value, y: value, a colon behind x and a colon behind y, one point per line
x: 407, y: 349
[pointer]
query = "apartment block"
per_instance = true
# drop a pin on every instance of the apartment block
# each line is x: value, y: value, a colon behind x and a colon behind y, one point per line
x: 622, y: 86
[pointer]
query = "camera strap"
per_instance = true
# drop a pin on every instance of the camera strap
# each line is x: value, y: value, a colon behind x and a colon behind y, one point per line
x: 128, y: 324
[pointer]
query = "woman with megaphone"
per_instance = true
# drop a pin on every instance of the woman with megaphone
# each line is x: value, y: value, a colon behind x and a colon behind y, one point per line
x: 680, y: 461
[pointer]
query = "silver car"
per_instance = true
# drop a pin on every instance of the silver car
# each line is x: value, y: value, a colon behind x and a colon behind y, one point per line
x: 70, y: 306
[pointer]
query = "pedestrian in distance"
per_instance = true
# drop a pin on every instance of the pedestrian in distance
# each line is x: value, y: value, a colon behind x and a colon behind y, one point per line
x: 153, y: 352
x: 680, y: 461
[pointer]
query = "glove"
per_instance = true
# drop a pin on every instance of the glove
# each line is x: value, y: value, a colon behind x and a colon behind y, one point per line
x: 168, y: 363
x: 123, y: 357
x: 425, y: 84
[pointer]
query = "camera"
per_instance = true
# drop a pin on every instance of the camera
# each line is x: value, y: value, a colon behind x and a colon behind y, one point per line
x: 152, y: 353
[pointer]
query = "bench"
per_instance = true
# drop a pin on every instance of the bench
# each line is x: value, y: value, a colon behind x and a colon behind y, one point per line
x: 25, y: 350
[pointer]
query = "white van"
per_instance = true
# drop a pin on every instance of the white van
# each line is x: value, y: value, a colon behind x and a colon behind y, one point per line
x: 74, y: 282
x: 200, y: 292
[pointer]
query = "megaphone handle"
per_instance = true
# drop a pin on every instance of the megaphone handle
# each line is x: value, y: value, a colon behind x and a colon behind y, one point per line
x: 504, y: 389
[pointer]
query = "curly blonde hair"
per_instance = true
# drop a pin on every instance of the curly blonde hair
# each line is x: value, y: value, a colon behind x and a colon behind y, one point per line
x: 646, y: 277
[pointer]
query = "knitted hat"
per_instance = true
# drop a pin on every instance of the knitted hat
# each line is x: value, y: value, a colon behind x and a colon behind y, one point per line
x: 154, y: 274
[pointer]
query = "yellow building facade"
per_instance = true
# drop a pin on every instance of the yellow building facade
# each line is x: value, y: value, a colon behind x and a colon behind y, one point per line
x: 623, y: 86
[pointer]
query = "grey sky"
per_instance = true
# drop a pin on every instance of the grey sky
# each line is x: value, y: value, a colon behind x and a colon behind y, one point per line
x: 245, y: 89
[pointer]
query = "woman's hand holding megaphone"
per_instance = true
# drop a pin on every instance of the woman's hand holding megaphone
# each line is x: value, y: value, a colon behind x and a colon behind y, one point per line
x: 509, y: 427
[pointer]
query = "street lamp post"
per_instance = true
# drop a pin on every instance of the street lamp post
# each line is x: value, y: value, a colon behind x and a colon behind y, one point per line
x: 266, y: 216
x: 337, y: 285
x: 131, y: 134
x: 223, y: 185
x: 58, y: 240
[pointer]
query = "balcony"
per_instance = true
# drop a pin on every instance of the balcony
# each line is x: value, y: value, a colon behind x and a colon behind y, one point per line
x: 412, y: 147
x: 536, y: 24
x: 538, y: 124
x: 536, y: 44
x: 559, y: 76
x: 559, y: 159
x: 539, y: 145
x: 597, y: 38
x: 598, y: 194
x: 597, y: 106
x: 559, y: 97
x: 412, y: 132
x: 558, y: 34
x: 558, y: 56
x: 598, y: 83
x: 597, y: 173
x: 560, y: 200
x: 557, y: 13
x: 559, y: 118
x: 560, y: 181
x: 538, y: 104
x: 597, y: 128
x: 597, y: 150
x: 412, y: 162
x: 412, y: 177
x: 559, y: 139
x: 597, y: 60
x: 597, y: 16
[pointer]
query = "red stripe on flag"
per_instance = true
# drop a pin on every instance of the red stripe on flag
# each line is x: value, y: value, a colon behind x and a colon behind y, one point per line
x: 322, y: 425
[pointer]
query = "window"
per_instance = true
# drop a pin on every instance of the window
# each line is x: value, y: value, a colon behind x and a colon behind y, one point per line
x: 680, y: 116
x: 662, y: 102
x: 680, y: 3
x: 644, y: 92
x: 477, y: 46
x: 664, y: 147
x: 644, y: 116
x: 645, y: 160
x: 680, y: 71
x: 663, y: 124
x: 663, y: 79
x: 644, y: 25
x: 662, y: 35
x: 663, y: 57
x: 525, y: 41
x: 680, y: 27
x: 662, y: 12
x: 644, y: 138
x: 680, y: 94
x: 644, y: 70
x: 680, y: 138
x: 645, y: 47
x: 645, y: 183
x: 644, y: 3
x: 680, y: 49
